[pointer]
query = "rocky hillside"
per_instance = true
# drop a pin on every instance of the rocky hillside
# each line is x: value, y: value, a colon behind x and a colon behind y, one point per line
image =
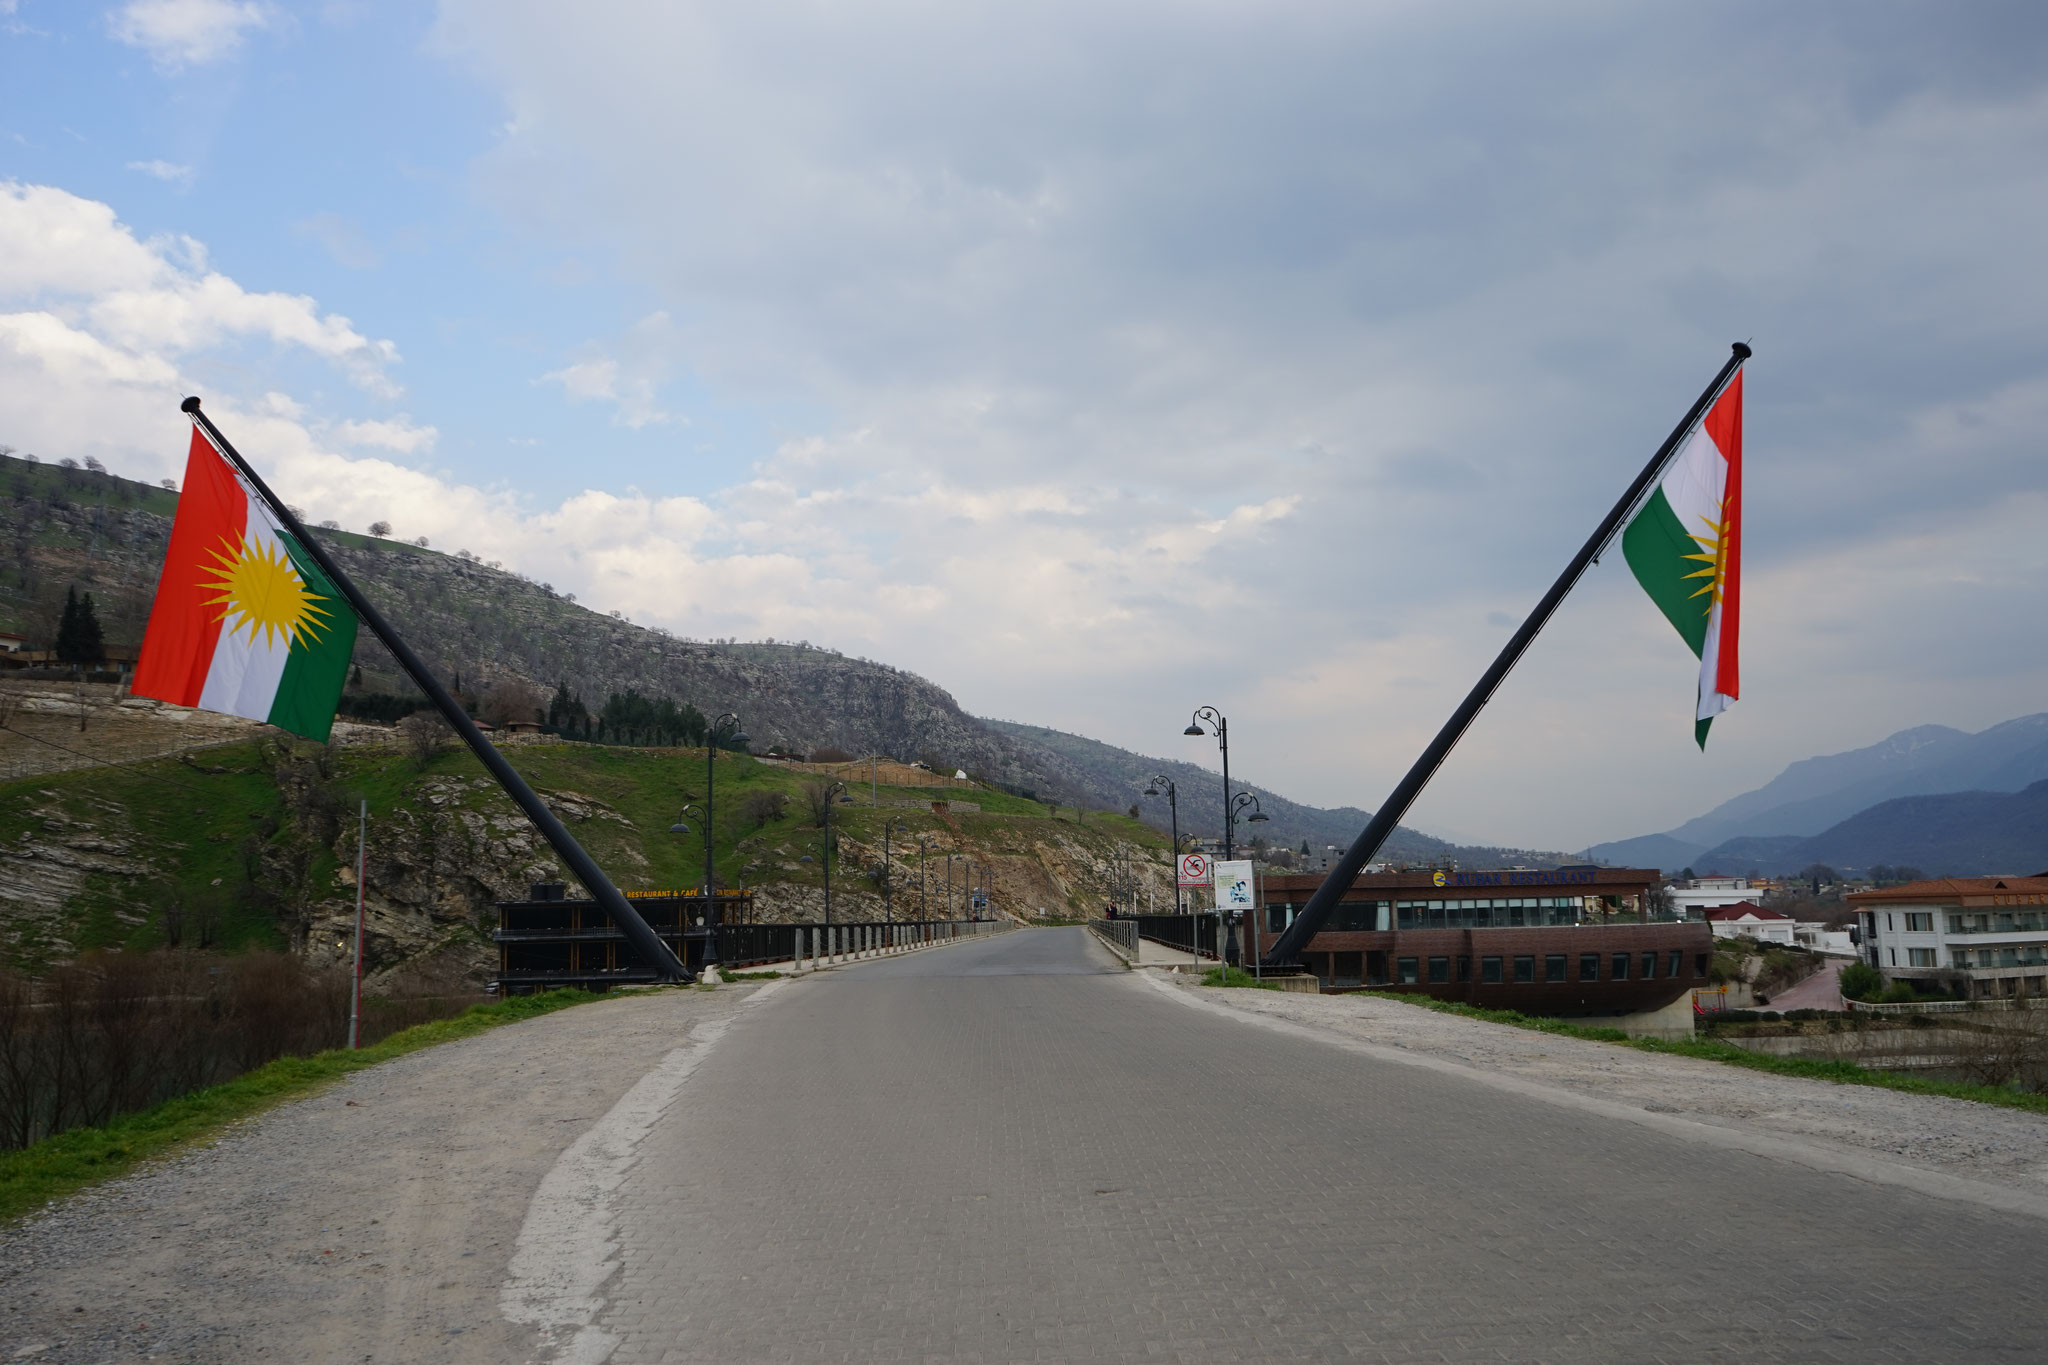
x: 254, y: 842
x: 65, y: 528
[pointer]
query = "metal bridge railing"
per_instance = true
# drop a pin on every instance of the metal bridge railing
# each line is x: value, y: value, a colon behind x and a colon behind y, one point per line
x: 1120, y: 934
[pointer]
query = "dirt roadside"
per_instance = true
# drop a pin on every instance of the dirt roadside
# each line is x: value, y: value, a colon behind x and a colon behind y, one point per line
x: 372, y: 1222
x: 1976, y: 1142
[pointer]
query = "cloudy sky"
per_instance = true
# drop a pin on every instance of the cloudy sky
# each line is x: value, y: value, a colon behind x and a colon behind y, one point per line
x: 1104, y: 361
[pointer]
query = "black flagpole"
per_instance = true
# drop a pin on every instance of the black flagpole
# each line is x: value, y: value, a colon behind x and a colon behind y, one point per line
x: 1290, y: 943
x: 666, y: 964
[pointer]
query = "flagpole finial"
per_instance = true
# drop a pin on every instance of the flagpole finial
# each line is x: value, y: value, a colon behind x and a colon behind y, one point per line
x: 190, y: 404
x: 1741, y: 349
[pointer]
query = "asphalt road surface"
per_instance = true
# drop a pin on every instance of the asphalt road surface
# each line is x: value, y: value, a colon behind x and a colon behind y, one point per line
x: 1014, y: 1150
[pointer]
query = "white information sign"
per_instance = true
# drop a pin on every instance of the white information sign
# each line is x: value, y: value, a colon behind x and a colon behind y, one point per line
x: 1194, y: 871
x: 1234, y: 889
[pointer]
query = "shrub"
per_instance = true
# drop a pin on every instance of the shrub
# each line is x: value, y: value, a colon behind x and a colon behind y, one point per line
x: 1861, y: 981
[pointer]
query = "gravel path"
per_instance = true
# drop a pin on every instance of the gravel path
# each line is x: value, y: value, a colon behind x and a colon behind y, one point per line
x: 2007, y: 1148
x: 372, y: 1222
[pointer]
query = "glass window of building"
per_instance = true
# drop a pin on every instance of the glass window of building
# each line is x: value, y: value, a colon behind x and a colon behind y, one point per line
x: 1621, y: 966
x: 1439, y: 971
x: 1677, y: 967
x: 1489, y: 970
x: 1649, y: 966
x: 1525, y: 968
x: 1919, y: 922
x: 1589, y: 966
x: 1699, y: 964
x: 1464, y: 968
x: 1923, y: 957
x: 1553, y: 967
x: 1405, y: 971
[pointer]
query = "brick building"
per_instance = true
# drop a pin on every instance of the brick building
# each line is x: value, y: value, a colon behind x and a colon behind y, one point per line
x: 1570, y: 941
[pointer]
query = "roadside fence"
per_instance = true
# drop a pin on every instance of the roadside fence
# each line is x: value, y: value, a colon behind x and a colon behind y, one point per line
x: 1190, y: 933
x: 1120, y: 934
x: 814, y: 947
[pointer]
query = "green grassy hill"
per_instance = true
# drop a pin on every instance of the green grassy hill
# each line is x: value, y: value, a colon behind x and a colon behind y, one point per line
x: 254, y: 844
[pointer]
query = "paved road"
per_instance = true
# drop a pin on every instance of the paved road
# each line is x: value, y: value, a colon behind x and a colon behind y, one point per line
x: 1821, y: 991
x: 1013, y: 1150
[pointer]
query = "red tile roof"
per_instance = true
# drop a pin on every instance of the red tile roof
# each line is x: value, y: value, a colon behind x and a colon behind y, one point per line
x: 1722, y: 914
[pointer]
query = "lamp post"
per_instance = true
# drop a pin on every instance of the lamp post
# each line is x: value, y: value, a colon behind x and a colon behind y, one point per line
x: 1222, y: 728
x: 1173, y: 811
x: 888, y: 891
x: 924, y: 904
x: 833, y: 790
x: 724, y: 730
x: 1241, y: 802
x: 684, y: 932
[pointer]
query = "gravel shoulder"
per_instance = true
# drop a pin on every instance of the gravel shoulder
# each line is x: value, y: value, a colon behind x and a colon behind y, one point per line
x: 372, y: 1222
x: 2007, y: 1148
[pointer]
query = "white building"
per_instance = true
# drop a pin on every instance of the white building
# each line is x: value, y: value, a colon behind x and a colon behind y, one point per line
x: 1993, y: 931
x: 1815, y: 934
x: 1746, y: 919
x: 1710, y: 893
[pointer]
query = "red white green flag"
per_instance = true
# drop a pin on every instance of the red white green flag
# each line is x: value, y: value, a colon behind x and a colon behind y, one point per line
x: 1685, y: 546
x: 244, y: 622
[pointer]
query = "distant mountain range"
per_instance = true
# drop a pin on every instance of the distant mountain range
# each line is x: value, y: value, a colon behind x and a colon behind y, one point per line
x: 1955, y: 834
x: 1876, y: 805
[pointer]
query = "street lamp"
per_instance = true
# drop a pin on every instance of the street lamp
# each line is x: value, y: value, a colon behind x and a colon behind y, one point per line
x: 683, y: 929
x: 1241, y: 802
x: 833, y: 789
x: 1222, y: 728
x: 1173, y: 809
x: 726, y: 729
x: 888, y: 891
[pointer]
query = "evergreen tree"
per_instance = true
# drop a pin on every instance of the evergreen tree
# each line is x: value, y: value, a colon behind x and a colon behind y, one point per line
x: 78, y: 631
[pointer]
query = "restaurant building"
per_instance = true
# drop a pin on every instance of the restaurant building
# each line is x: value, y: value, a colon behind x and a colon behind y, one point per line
x: 1565, y: 941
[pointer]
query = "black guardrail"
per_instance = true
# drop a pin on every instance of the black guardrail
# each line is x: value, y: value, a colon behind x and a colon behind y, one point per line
x: 1190, y: 933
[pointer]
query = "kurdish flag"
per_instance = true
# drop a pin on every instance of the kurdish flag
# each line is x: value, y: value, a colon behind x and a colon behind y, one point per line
x: 1685, y: 546
x: 244, y: 622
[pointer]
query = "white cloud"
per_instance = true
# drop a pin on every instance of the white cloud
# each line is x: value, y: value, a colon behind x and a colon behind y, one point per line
x: 397, y: 434
x: 1337, y: 325
x: 184, y: 33
x: 630, y: 380
x: 168, y: 171
x: 70, y: 257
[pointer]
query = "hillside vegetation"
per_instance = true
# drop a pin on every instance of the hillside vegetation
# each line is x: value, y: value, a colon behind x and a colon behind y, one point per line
x: 253, y: 844
x: 66, y: 528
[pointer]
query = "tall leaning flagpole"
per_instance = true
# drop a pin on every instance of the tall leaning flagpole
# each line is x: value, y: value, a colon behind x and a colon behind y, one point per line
x: 666, y: 964
x: 1288, y: 946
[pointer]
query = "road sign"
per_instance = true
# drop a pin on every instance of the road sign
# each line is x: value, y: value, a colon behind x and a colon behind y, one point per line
x: 1234, y: 886
x: 1194, y: 870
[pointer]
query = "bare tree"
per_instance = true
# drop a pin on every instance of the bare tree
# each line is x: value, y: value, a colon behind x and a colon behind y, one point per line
x: 763, y: 806
x: 512, y: 700
x: 380, y: 529
x: 424, y: 734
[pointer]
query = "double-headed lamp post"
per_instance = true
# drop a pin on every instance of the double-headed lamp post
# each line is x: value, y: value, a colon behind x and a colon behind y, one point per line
x: 710, y: 958
x: 1222, y: 729
x: 888, y: 893
x: 1243, y: 801
x: 1173, y: 810
x: 835, y: 791
x: 720, y: 732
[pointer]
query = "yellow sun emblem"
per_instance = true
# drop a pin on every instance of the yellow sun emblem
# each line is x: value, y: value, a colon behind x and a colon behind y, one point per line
x: 260, y: 588
x: 1710, y: 556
